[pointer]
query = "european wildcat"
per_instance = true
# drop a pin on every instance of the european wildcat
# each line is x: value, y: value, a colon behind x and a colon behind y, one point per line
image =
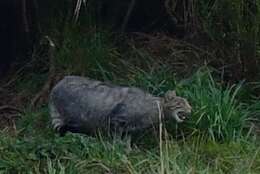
x: 82, y: 105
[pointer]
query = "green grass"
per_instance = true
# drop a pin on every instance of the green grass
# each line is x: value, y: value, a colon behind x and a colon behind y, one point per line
x: 217, y: 110
x: 218, y: 145
x: 37, y: 149
x: 217, y: 138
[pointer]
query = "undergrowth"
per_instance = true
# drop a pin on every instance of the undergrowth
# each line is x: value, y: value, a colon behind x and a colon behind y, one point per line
x: 85, y: 53
x: 37, y: 149
x: 216, y: 108
x: 216, y: 139
x: 216, y: 142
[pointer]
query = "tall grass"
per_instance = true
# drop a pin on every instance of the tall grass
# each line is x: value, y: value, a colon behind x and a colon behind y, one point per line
x: 217, y: 139
x: 217, y: 112
x: 217, y: 146
x: 85, y: 52
x: 216, y: 108
x: 234, y: 26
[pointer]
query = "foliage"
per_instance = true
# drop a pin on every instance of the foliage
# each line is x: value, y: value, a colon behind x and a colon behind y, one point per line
x: 37, y: 149
x: 85, y: 53
x: 216, y: 108
x: 217, y: 139
x: 232, y: 27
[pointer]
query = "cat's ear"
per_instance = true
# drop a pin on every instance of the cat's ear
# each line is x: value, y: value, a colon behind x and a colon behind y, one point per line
x: 169, y: 95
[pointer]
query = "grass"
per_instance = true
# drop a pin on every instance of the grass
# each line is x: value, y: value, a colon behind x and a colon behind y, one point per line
x: 216, y: 139
x: 85, y: 52
x: 216, y: 108
x: 217, y: 111
x: 218, y: 145
x: 37, y: 149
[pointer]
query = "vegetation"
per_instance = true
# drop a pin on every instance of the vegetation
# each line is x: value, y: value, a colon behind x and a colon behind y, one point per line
x: 222, y: 135
x: 216, y: 141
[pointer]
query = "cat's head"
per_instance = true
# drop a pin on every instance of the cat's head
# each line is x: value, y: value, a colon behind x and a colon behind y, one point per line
x: 176, y: 107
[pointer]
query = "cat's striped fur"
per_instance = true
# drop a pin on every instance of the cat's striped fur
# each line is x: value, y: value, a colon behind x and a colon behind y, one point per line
x: 79, y: 104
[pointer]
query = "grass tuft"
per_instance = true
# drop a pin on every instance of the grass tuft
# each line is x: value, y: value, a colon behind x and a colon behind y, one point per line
x: 216, y: 110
